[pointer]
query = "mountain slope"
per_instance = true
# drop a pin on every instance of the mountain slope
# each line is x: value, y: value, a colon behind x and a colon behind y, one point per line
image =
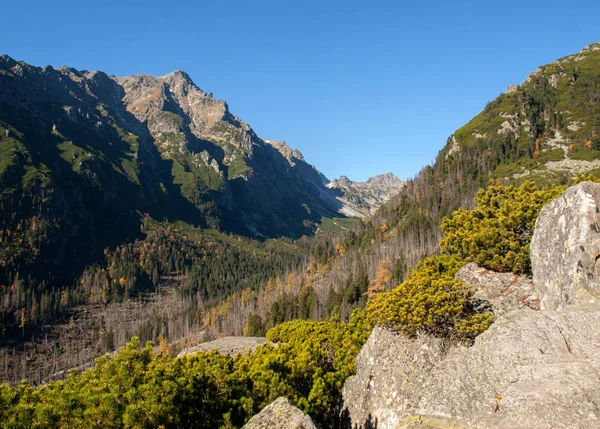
x: 115, y: 188
x: 79, y: 150
x: 546, y: 127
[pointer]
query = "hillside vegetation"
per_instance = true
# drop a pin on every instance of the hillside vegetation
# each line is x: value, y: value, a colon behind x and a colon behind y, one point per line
x: 307, y: 361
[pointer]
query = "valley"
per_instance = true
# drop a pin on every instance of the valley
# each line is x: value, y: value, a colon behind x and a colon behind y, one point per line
x: 141, y: 207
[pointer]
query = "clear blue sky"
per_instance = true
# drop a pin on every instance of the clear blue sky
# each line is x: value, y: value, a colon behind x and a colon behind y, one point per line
x: 360, y: 87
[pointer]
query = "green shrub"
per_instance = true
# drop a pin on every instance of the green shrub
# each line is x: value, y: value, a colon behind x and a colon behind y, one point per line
x: 496, y: 234
x: 137, y: 388
x: 431, y: 302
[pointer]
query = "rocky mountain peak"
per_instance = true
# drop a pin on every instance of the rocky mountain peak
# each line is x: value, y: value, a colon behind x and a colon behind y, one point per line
x: 386, y: 179
x: 366, y: 197
x: 343, y: 181
x: 179, y: 76
x: 150, y: 97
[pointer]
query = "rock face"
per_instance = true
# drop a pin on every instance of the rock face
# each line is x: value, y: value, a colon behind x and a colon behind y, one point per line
x: 280, y: 414
x: 230, y: 346
x: 503, y: 292
x: 390, y: 372
x: 531, y: 368
x: 366, y: 197
x: 565, y: 249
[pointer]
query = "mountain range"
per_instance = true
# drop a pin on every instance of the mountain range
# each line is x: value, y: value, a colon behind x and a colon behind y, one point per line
x: 84, y: 156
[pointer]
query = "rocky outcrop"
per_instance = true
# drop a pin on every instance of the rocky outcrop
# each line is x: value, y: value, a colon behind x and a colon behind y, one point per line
x: 229, y: 346
x: 531, y: 368
x: 390, y: 372
x: 565, y: 249
x: 280, y: 414
x: 286, y: 151
x: 503, y: 292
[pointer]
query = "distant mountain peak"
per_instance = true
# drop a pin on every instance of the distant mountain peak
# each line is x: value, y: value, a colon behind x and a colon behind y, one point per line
x: 178, y: 74
x: 366, y: 197
x: 385, y: 178
x: 341, y: 181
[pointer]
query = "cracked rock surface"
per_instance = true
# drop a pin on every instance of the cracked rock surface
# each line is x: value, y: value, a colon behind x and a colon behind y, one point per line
x: 529, y: 369
x: 565, y: 248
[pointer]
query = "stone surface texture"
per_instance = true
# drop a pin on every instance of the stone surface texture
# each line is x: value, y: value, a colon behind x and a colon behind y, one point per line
x: 280, y: 414
x: 503, y: 292
x: 391, y: 370
x: 229, y: 346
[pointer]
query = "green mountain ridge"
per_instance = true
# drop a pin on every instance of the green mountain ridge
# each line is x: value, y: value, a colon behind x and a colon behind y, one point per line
x: 541, y: 127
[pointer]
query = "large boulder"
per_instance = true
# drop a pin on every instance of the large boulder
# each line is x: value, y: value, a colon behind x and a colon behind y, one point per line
x: 280, y: 414
x: 502, y: 292
x: 565, y: 249
x: 390, y: 372
x: 529, y: 369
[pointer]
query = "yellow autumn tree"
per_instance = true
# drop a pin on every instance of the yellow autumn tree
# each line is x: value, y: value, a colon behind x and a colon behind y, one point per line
x: 291, y: 281
x: 382, y: 279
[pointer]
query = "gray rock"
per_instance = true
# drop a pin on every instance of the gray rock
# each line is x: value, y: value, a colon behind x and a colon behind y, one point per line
x: 229, y: 346
x: 512, y: 88
x: 555, y: 79
x: 565, y: 249
x: 280, y: 414
x: 503, y: 292
x: 530, y: 369
x: 390, y: 372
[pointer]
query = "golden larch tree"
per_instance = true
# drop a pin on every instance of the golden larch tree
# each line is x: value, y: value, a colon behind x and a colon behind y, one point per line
x: 382, y: 279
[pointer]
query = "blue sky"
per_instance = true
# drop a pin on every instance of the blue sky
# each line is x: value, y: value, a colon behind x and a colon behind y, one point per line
x: 360, y: 87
